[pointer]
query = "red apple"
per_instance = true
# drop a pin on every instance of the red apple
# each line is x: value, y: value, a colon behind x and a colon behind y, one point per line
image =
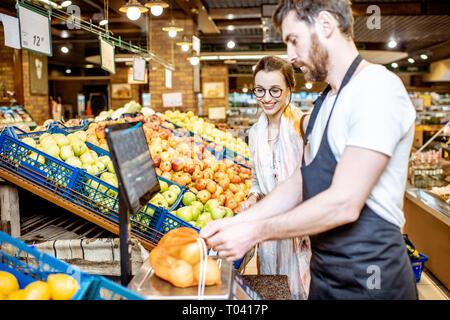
x: 211, y: 186
x: 156, y: 160
x: 233, y: 188
x: 200, y: 184
x: 100, y: 132
x: 208, y: 173
x: 197, y: 174
x: 167, y: 175
x: 177, y: 164
x: 203, y: 196
x: 236, y: 179
x: 166, y: 165
x: 231, y: 203
x: 224, y: 184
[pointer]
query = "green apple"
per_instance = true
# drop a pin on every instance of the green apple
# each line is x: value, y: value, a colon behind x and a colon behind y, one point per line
x: 105, y: 160
x: 159, y: 201
x: 43, y: 136
x: 52, y: 149
x: 229, y: 213
x: 218, y: 212
x: 30, y: 142
x: 82, y: 135
x: 110, y: 167
x: 78, y: 147
x: 74, y: 162
x: 164, y: 186
x: 175, y: 189
x: 193, y: 223
x: 66, y: 152
x: 100, y: 166
x: 195, y: 212
x: 210, y: 204
x: 188, y: 198
x: 94, y: 155
x: 198, y: 204
x: 185, y: 213
x: 60, y: 139
x: 170, y: 197
x: 86, y: 158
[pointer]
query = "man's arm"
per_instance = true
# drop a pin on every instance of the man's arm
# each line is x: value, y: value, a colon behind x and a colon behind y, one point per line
x: 356, y: 174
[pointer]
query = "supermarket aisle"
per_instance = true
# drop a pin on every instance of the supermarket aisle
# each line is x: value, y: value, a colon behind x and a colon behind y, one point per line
x: 427, y: 287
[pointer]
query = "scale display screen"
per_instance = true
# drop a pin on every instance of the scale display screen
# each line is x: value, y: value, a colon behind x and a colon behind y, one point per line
x: 132, y: 161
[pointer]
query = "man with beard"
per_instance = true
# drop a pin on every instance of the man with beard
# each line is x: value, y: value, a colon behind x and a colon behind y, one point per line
x: 354, y: 168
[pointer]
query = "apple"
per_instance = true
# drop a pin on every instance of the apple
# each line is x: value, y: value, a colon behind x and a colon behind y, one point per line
x: 177, y: 164
x: 176, y: 189
x: 164, y: 186
x: 203, y: 196
x: 208, y: 173
x: 166, y: 175
x: 197, y: 174
x: 200, y: 184
x: 100, y: 132
x: 197, y: 204
x: 218, y: 212
x: 229, y: 213
x: 231, y: 203
x: 211, y: 186
x: 224, y: 184
x: 210, y: 204
x: 195, y: 212
x: 185, y: 213
x: 170, y: 197
x: 219, y: 175
x: 165, y: 166
x: 156, y: 160
x: 188, y: 198
x: 234, y: 188
x: 158, y: 171
x: 219, y: 190
x: 159, y: 201
x: 221, y: 198
x: 187, y: 178
x: 165, y: 156
x: 236, y: 179
x: 189, y: 168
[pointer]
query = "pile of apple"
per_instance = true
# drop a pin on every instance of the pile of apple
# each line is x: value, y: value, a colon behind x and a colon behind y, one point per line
x: 198, y: 211
x: 71, y: 149
x: 207, y: 130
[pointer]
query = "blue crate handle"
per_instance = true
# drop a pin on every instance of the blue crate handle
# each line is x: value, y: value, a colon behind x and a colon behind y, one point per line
x: 101, y: 282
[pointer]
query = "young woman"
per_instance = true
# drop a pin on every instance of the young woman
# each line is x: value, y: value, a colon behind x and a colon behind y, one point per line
x: 276, y: 149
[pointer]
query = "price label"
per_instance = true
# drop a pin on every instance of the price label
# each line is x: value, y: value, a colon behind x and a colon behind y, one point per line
x: 107, y: 56
x: 35, y: 32
x: 139, y: 69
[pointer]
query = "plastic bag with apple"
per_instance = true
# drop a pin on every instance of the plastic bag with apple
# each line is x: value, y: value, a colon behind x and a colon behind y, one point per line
x: 181, y: 258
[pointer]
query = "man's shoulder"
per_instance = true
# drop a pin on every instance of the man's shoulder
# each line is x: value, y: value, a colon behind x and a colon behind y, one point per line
x: 380, y: 76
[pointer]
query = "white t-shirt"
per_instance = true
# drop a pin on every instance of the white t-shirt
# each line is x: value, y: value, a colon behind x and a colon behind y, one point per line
x: 373, y: 112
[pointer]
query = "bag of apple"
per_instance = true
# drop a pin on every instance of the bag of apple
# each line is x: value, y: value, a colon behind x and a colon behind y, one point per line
x: 181, y: 258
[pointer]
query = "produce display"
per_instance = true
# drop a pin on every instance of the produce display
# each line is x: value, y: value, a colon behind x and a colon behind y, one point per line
x: 177, y: 259
x: 16, y: 114
x: 198, y: 210
x: 207, y: 130
x: 58, y: 286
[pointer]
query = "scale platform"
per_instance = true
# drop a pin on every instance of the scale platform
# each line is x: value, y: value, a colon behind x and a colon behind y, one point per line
x: 233, y: 286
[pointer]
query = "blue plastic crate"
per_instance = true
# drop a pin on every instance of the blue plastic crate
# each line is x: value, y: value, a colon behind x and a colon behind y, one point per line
x: 35, y: 165
x: 418, y: 266
x: 105, y: 289
x: 14, y: 257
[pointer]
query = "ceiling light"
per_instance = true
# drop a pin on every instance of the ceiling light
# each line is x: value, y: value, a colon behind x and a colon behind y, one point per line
x: 64, y: 49
x: 133, y: 9
x: 68, y: 71
x: 423, y: 57
x: 184, y: 44
x: 244, y: 89
x: 411, y: 60
x: 185, y: 47
x: 65, y: 4
x: 64, y: 34
x: 394, y: 65
x: 172, y: 29
x: 254, y: 67
x: 392, y: 44
x: 156, y: 7
x: 231, y: 44
x: 308, y: 85
x: 89, y: 66
x: 230, y: 28
x: 194, y: 60
x: 104, y: 22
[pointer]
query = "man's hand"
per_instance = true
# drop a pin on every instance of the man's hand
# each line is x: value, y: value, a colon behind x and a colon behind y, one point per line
x: 230, y: 237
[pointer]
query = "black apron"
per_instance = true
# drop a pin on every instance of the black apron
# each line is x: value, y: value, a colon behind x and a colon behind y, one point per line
x: 366, y: 259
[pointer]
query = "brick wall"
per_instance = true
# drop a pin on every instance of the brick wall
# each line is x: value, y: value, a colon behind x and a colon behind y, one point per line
x: 165, y: 47
x: 6, y: 64
x: 36, y: 105
x: 214, y: 73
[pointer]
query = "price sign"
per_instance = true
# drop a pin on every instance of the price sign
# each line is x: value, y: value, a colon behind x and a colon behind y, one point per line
x: 107, y: 56
x: 35, y: 32
x: 174, y: 99
x: 139, y: 69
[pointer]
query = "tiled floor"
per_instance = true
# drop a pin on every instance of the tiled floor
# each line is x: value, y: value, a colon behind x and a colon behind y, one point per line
x: 428, y: 289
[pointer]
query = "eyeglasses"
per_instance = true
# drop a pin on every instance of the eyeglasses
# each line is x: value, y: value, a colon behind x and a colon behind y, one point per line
x: 261, y: 92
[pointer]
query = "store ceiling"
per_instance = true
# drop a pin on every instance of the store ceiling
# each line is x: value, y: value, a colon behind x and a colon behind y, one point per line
x: 419, y: 26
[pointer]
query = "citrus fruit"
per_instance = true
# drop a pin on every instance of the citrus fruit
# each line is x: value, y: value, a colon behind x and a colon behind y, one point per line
x: 17, y: 295
x: 62, y: 286
x: 8, y: 283
x: 38, y: 290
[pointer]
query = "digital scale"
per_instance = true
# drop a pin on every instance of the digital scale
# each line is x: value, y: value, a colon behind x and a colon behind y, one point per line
x: 138, y: 183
